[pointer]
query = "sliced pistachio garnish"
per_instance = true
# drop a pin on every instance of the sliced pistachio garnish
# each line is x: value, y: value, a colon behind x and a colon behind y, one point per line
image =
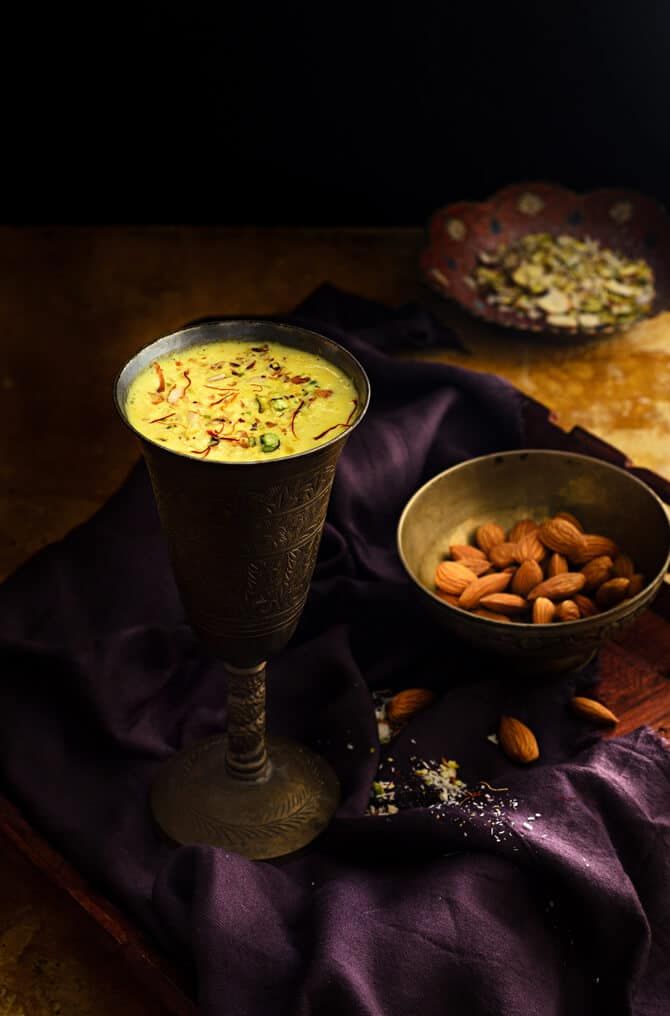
x: 565, y: 282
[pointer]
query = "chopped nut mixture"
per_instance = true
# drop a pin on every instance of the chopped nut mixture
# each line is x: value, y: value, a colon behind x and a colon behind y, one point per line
x: 565, y: 283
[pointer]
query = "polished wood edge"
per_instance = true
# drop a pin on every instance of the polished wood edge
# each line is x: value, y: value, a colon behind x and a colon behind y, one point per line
x: 149, y: 967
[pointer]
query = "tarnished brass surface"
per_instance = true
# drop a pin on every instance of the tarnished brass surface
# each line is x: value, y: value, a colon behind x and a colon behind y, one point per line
x: 506, y: 487
x: 243, y: 539
x: 196, y: 800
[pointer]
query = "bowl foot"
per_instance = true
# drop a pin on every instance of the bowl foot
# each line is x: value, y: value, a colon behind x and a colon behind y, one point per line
x: 195, y: 800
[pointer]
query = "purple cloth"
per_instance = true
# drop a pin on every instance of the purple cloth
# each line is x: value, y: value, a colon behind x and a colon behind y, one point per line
x: 566, y: 912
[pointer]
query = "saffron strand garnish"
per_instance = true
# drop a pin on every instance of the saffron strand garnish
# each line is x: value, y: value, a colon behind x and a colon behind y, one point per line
x: 302, y: 403
x: 336, y: 425
x: 160, y: 418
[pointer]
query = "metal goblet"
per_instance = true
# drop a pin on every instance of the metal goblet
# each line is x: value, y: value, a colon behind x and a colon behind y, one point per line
x: 243, y: 539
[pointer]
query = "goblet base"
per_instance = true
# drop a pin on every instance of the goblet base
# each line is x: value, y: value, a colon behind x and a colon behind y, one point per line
x: 196, y: 800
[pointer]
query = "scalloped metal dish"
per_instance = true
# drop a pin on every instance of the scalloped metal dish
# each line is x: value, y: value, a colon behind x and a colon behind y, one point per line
x: 624, y: 220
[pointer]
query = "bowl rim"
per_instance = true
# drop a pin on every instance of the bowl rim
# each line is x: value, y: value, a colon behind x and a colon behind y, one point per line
x: 524, y: 627
x: 197, y: 334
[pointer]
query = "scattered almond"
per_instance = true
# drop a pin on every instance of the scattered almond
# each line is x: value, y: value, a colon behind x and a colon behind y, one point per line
x: 587, y: 607
x: 530, y: 548
x: 504, y: 603
x: 612, y: 592
x: 406, y: 703
x: 495, y: 583
x: 623, y: 567
x: 593, y: 710
x: 488, y: 535
x: 568, y: 610
x: 459, y: 551
x: 517, y: 740
x: 560, y: 587
x: 477, y: 565
x: 553, y: 570
x: 597, y: 571
x: 503, y: 554
x: 593, y: 546
x: 556, y: 566
x: 569, y: 517
x: 522, y: 528
x: 527, y: 575
x: 561, y: 536
x: 491, y: 615
x: 452, y: 577
x: 543, y: 610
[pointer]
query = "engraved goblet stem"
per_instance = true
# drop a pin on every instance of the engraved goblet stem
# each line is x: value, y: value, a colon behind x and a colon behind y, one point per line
x: 246, y: 754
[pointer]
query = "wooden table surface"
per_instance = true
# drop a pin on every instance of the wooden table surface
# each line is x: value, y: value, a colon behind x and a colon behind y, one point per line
x: 76, y: 302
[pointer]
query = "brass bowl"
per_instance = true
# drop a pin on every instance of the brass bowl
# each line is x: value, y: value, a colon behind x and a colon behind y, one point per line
x: 512, y: 485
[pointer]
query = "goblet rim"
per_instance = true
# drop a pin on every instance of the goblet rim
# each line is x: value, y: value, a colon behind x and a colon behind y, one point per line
x: 244, y: 322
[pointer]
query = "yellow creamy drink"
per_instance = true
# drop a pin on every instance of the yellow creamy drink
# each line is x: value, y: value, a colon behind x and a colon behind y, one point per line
x: 237, y: 402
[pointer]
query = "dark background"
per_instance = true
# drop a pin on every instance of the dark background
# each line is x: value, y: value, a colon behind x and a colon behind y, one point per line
x: 308, y: 114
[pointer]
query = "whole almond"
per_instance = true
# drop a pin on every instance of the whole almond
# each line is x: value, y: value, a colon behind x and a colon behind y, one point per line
x: 636, y: 585
x: 612, y: 592
x: 477, y: 565
x: 460, y: 551
x: 502, y: 555
x: 593, y: 546
x: 587, y: 607
x: 452, y: 577
x: 448, y: 598
x: 569, y: 517
x: 504, y: 603
x: 406, y: 703
x: 597, y: 571
x: 623, y: 567
x: 567, y: 610
x: 560, y: 587
x: 529, y: 548
x: 489, y: 535
x: 521, y: 528
x: 517, y: 740
x: 526, y: 577
x: 497, y: 582
x: 543, y: 610
x: 593, y: 710
x: 491, y: 615
x: 557, y: 565
x: 561, y: 536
